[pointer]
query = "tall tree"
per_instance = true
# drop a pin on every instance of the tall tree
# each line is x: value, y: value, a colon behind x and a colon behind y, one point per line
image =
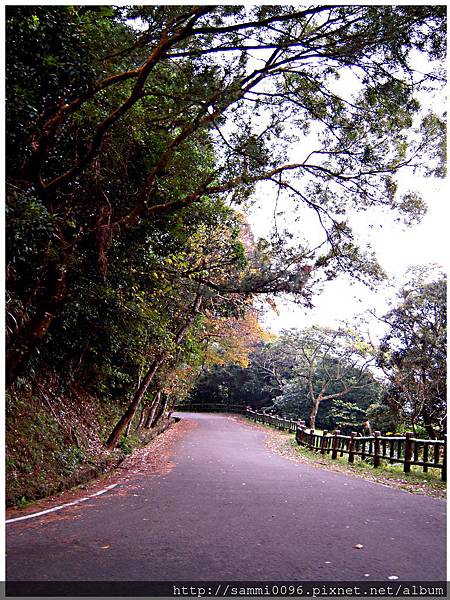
x: 329, y: 363
x: 413, y: 353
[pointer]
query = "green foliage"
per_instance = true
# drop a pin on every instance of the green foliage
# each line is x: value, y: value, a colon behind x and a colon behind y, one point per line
x: 273, y: 381
x: 50, y: 58
x: 383, y: 418
x: 413, y: 354
x: 231, y: 385
x: 342, y: 412
x: 128, y: 444
x: 22, y: 503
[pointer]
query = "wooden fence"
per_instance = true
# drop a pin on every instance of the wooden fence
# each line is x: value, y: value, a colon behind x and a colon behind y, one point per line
x: 406, y: 450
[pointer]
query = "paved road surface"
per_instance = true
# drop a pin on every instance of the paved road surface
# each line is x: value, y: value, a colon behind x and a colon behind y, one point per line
x: 232, y: 510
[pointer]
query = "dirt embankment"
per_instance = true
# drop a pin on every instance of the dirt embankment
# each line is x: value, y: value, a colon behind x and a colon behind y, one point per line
x: 55, y: 442
x: 153, y: 458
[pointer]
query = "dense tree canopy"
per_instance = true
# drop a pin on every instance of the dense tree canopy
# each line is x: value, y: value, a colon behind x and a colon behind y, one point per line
x: 134, y: 134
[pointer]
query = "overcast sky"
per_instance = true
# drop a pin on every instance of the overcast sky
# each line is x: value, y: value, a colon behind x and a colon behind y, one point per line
x: 397, y: 247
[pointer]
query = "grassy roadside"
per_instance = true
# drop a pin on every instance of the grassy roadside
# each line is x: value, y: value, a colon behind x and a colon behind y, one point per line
x: 416, y: 482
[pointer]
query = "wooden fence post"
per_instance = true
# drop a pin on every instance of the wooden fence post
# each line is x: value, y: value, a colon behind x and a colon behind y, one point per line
x: 416, y: 453
x: 444, y: 461
x: 436, y: 453
x: 351, y: 447
x: 311, y: 439
x: 376, y: 449
x: 323, y: 442
x: 408, y: 452
x: 335, y: 444
x: 425, y: 457
x: 300, y: 433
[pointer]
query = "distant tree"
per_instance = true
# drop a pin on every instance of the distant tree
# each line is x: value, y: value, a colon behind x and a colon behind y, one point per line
x: 274, y: 363
x: 413, y: 353
x: 330, y: 364
x: 276, y: 380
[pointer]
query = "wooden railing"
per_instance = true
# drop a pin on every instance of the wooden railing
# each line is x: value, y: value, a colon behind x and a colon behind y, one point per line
x: 406, y: 450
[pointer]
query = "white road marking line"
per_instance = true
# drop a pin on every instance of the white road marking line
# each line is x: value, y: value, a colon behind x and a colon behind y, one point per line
x: 55, y: 508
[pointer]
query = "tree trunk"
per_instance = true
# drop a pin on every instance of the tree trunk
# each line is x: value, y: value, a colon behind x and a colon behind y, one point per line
x: 161, y: 409
x: 152, y: 411
x: 313, y: 413
x: 428, y: 425
x: 34, y: 332
x: 113, y: 439
x: 141, y: 418
x: 128, y: 415
x: 127, y: 430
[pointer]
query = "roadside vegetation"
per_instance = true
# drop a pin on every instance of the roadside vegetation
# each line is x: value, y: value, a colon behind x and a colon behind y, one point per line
x: 416, y: 482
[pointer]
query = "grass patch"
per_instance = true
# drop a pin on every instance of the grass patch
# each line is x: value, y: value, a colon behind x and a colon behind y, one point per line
x: 384, y: 471
x: 418, y: 482
x: 129, y: 444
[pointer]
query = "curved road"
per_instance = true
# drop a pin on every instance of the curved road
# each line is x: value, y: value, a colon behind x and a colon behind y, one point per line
x: 232, y: 510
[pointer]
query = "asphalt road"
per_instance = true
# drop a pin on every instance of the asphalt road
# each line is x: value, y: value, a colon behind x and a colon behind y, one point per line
x: 232, y: 510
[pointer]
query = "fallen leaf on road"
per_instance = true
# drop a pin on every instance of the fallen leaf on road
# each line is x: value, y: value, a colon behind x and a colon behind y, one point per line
x: 105, y: 547
x: 358, y: 546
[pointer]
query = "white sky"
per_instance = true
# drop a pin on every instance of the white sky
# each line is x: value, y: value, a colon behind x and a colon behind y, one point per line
x: 397, y: 248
